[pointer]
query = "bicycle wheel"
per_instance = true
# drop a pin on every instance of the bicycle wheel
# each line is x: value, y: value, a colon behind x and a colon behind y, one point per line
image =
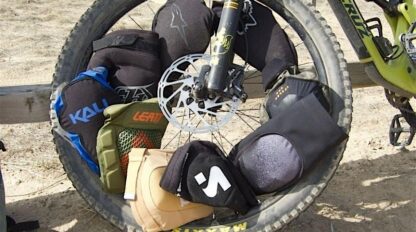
x: 276, y: 210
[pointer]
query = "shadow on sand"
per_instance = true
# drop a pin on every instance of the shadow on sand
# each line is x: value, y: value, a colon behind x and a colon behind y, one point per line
x: 65, y: 211
x: 364, y: 195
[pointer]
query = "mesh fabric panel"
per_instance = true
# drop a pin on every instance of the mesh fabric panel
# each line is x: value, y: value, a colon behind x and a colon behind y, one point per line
x: 136, y: 138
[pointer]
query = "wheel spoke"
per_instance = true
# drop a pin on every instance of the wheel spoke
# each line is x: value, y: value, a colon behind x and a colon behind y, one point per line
x: 136, y: 22
x: 254, y: 118
x: 151, y: 9
x: 211, y: 131
x: 221, y: 146
x: 285, y: 27
x: 210, y: 112
x: 245, y: 122
x: 193, y: 66
x: 179, y: 104
x: 222, y: 136
x: 299, y: 44
x: 240, y: 110
x: 191, y: 133
x: 200, y: 117
x: 216, y: 120
x: 180, y: 131
x: 175, y: 93
x: 171, y: 139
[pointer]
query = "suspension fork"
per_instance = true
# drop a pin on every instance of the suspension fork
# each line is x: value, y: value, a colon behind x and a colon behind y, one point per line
x: 222, y: 54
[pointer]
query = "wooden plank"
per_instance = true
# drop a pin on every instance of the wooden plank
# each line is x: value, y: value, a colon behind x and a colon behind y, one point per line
x: 359, y: 79
x: 24, y: 104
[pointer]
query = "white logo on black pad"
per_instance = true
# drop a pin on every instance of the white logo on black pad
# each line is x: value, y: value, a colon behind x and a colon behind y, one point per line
x: 216, y: 177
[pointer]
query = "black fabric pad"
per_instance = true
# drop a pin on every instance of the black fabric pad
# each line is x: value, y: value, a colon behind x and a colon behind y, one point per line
x: 82, y: 113
x: 199, y: 172
x: 268, y: 45
x: 134, y: 66
x: 307, y: 126
x: 184, y: 27
x: 279, y: 161
x: 289, y: 91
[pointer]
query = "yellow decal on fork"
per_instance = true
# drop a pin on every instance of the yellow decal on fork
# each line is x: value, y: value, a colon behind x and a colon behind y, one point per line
x: 231, y: 4
x: 222, y: 45
x: 223, y: 41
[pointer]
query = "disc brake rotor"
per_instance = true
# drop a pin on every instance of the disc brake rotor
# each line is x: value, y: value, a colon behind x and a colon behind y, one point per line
x: 179, y: 105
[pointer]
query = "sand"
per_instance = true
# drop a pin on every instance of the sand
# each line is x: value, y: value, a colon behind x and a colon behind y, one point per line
x: 374, y: 188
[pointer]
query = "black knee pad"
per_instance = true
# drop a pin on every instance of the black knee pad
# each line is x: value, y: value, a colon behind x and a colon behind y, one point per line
x: 269, y: 48
x: 200, y: 172
x: 132, y: 58
x: 184, y: 27
x: 79, y: 109
x: 287, y: 146
x: 290, y: 89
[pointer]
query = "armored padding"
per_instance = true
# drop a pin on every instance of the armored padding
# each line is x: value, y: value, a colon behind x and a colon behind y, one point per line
x: 144, y: 117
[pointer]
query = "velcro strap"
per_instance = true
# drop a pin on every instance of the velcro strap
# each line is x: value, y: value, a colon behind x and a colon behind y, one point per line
x: 135, y: 160
x: 128, y: 41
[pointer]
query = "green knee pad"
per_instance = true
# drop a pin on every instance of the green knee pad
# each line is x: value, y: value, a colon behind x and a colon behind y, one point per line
x: 127, y: 126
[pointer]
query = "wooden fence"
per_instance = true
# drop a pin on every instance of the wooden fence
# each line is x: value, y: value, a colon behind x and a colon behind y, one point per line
x: 25, y: 104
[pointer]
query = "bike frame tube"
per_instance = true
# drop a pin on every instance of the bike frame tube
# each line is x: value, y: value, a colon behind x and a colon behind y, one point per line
x: 398, y: 75
x: 353, y: 25
x: 222, y: 55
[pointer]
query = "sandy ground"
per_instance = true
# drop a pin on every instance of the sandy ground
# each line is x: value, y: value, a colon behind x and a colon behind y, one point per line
x: 374, y: 188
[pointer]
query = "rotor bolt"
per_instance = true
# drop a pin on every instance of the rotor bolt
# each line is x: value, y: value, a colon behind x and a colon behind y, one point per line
x: 201, y: 105
x: 189, y: 101
x: 244, y: 97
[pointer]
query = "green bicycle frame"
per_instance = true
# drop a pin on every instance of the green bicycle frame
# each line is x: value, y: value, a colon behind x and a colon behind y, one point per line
x: 397, y: 75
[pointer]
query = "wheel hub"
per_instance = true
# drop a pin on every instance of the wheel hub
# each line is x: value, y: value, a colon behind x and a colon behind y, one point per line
x: 186, y: 106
